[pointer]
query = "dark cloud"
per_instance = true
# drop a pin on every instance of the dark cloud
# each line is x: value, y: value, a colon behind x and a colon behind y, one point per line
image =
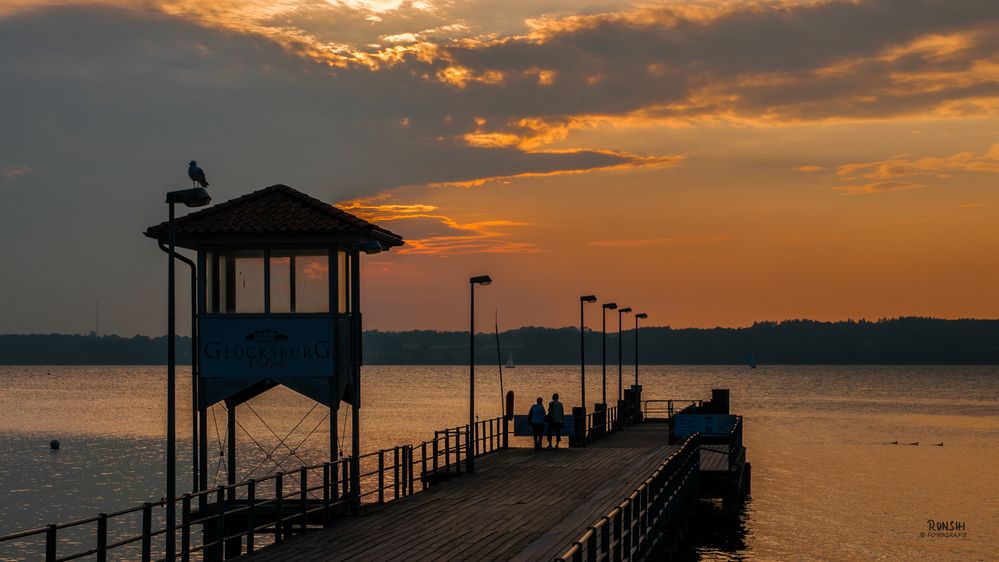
x: 107, y: 106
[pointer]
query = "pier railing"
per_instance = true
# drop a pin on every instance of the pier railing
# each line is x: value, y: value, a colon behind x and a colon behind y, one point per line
x: 666, y: 409
x: 630, y: 530
x: 602, y: 423
x: 248, y: 515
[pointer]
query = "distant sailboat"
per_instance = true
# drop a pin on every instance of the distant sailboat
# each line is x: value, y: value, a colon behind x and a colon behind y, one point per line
x: 750, y: 360
x: 509, y: 363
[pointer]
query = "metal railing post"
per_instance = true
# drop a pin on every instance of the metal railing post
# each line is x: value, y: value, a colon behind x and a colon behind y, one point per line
x: 220, y: 521
x: 447, y: 451
x: 303, y: 476
x: 147, y: 524
x: 185, y: 528
x: 278, y: 507
x: 251, y: 516
x: 327, y: 493
x: 423, y: 465
x: 102, y: 538
x: 457, y: 447
x: 381, y: 475
x: 50, y: 543
x: 395, y: 472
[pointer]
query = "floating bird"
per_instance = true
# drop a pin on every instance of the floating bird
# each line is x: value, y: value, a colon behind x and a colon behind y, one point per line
x: 939, y: 444
x: 196, y: 174
x: 916, y: 443
x: 894, y: 442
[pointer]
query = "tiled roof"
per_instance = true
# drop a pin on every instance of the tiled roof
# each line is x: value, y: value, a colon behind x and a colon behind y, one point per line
x: 274, y: 210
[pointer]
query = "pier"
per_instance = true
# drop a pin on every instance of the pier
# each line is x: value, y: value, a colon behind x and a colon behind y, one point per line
x: 624, y: 491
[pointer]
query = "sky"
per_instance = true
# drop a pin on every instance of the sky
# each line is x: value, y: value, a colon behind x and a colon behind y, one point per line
x: 710, y: 163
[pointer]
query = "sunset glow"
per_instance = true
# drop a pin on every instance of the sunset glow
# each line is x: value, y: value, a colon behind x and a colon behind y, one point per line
x: 713, y: 162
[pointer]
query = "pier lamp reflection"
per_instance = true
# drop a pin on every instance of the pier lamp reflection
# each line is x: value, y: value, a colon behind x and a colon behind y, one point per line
x: 470, y: 439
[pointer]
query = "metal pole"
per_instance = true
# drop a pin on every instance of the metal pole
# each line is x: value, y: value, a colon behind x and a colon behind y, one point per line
x: 194, y: 376
x: 471, y: 379
x: 620, y: 358
x: 603, y: 341
x: 171, y: 452
x: 582, y: 358
x: 636, y: 350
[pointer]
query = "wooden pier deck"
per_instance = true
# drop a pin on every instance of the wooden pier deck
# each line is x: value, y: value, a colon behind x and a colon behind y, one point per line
x: 521, y: 504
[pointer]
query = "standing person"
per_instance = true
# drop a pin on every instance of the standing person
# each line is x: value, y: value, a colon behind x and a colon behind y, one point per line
x: 555, y: 413
x: 536, y: 417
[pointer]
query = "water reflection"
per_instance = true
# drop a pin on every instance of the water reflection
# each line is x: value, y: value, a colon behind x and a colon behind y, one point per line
x: 827, y: 483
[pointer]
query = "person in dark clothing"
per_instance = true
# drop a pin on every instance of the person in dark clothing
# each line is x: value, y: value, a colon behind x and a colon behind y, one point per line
x: 555, y: 418
x: 536, y: 417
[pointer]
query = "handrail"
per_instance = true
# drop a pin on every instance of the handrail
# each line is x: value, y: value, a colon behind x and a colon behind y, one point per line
x: 631, y: 528
x: 384, y: 475
x: 669, y: 407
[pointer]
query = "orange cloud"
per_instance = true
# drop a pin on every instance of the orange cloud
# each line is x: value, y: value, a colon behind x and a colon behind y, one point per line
x: 487, y: 236
x: 877, y: 187
x: 809, y: 169
x: 631, y: 162
x: 905, y: 166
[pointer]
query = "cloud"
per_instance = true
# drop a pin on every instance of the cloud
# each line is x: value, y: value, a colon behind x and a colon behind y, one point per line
x: 15, y: 171
x: 907, y: 166
x: 877, y: 187
x: 809, y: 169
x: 431, y: 233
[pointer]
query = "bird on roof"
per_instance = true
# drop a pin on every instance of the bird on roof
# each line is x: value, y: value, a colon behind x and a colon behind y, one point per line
x: 196, y: 174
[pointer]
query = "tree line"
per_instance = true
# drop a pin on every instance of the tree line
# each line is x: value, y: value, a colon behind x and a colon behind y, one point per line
x: 888, y: 341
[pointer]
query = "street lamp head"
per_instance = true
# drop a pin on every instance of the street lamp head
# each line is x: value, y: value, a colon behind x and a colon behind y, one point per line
x: 588, y: 298
x: 481, y: 280
x: 641, y: 315
x: 624, y: 310
x: 610, y: 306
x: 196, y: 197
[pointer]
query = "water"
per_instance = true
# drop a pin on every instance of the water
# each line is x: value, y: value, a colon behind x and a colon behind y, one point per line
x: 826, y: 482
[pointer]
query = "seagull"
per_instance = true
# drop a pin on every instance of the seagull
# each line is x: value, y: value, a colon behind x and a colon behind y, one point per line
x: 196, y: 174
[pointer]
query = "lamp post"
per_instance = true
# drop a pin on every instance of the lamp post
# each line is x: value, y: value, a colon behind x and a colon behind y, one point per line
x: 603, y: 341
x: 196, y: 197
x: 640, y: 315
x: 471, y: 437
x: 620, y: 354
x: 582, y: 351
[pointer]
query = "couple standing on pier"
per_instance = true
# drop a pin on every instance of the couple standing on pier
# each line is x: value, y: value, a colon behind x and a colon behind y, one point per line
x: 537, y: 416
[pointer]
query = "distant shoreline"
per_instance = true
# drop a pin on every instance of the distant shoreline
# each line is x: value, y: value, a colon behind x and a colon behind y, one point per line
x: 899, y: 341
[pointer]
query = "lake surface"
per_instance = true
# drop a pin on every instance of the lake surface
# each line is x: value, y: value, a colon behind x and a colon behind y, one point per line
x: 827, y: 483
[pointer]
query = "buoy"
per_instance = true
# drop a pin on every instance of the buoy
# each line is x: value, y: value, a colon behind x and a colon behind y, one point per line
x: 54, y: 445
